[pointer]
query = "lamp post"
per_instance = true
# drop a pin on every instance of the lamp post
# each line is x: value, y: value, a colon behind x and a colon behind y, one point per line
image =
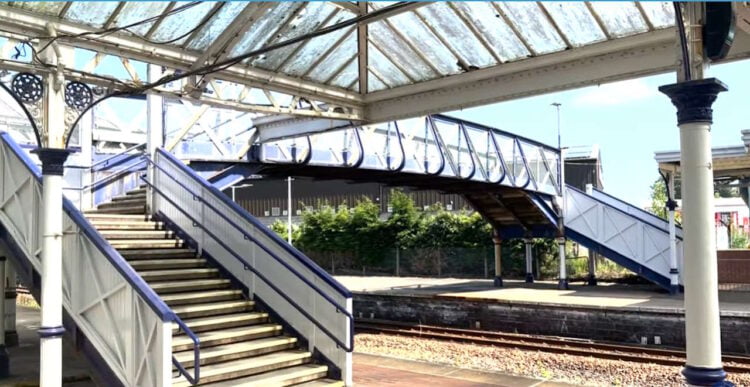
x: 289, y: 209
x: 562, y: 283
x: 234, y: 187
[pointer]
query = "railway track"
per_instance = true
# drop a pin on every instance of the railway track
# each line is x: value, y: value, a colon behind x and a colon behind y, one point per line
x: 559, y: 345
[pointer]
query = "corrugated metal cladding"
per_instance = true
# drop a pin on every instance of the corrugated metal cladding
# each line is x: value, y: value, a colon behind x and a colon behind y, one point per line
x: 268, y: 197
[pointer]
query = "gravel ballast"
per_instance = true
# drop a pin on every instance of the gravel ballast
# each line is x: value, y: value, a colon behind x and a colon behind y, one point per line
x: 581, y: 370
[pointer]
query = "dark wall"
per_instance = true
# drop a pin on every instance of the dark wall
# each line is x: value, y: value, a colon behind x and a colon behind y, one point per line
x: 625, y: 324
x: 266, y: 194
x: 580, y: 172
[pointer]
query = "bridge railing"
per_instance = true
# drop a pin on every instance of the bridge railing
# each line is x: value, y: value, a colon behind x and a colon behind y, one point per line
x: 129, y: 326
x: 433, y: 145
x: 304, y: 296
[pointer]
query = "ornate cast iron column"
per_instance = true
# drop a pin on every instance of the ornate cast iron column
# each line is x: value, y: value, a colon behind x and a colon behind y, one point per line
x: 693, y: 100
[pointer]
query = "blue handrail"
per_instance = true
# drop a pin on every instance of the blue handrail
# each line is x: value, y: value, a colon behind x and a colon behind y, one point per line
x: 262, y: 228
x: 105, y: 162
x: 156, y: 304
x: 248, y: 266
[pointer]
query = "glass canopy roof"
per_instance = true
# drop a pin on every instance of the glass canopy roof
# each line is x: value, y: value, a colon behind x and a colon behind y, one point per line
x: 422, y: 42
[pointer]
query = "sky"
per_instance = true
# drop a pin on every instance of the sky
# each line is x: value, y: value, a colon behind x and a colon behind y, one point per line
x: 629, y: 120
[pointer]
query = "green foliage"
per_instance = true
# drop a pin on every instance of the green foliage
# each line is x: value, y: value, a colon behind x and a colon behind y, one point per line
x: 357, y: 237
x: 659, y: 201
x: 404, y: 223
x: 280, y: 228
x: 725, y: 191
x: 740, y: 240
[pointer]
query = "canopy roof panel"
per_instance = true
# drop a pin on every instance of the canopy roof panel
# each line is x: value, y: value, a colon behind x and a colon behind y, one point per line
x: 406, y: 49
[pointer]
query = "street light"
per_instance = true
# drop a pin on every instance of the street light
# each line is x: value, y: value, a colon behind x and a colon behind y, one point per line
x: 289, y: 209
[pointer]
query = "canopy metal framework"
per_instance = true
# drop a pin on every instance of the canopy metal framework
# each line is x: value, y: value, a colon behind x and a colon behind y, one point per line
x: 398, y: 60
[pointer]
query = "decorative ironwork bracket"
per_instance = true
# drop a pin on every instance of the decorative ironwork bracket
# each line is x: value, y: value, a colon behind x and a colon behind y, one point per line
x: 28, y: 90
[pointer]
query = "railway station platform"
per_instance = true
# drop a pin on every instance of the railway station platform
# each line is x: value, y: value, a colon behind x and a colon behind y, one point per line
x: 604, y: 296
x: 370, y: 370
x: 635, y: 314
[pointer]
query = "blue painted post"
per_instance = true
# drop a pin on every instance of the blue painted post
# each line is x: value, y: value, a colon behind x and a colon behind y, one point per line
x: 4, y: 359
x: 498, y: 281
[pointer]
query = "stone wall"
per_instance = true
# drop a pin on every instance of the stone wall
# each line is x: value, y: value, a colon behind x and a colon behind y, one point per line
x: 623, y: 325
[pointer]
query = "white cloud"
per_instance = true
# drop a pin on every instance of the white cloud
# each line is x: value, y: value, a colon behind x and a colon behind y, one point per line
x: 617, y: 93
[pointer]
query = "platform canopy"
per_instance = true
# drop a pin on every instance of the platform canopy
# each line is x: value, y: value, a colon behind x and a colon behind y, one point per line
x: 362, y: 61
x: 728, y: 163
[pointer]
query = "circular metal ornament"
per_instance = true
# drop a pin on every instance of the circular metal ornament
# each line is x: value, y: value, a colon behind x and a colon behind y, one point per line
x: 27, y: 87
x: 78, y: 95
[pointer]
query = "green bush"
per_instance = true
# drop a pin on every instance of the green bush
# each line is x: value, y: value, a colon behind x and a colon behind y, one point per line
x: 442, y: 242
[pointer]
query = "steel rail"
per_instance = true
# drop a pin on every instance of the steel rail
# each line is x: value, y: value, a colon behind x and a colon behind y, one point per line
x: 569, y: 346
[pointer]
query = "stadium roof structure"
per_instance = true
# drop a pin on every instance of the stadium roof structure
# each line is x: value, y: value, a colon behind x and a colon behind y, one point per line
x: 361, y: 61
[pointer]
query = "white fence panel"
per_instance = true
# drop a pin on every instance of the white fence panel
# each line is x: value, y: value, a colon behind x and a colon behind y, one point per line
x: 625, y: 231
x: 97, y: 293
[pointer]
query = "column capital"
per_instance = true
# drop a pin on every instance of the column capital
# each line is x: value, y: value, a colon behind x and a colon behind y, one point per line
x: 560, y: 239
x: 693, y: 99
x: 52, y: 160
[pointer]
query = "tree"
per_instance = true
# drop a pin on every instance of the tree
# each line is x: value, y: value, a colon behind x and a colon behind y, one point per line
x: 403, y: 224
x: 659, y: 198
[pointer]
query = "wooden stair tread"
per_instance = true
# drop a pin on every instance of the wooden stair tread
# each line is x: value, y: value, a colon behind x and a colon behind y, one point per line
x: 242, y: 318
x: 210, y: 296
x: 228, y: 333
x: 218, y: 306
x: 285, y: 376
x: 235, y: 348
x: 248, y: 366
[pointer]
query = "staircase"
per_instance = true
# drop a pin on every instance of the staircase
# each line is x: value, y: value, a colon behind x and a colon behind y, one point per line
x: 240, y: 345
x: 626, y: 234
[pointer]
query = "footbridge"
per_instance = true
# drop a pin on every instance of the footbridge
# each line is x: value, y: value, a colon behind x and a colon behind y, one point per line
x: 512, y: 181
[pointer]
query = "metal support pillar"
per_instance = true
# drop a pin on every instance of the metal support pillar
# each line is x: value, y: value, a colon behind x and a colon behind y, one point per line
x: 289, y: 209
x: 154, y: 128
x: 4, y: 359
x: 562, y: 283
x: 52, y: 155
x: 591, y: 279
x: 529, y: 257
x: 11, y: 335
x: 85, y: 137
x: 693, y: 100
x: 674, y: 272
x: 498, y: 281
x: 51, y: 329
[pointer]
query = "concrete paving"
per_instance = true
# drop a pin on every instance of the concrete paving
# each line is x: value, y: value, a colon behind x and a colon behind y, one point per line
x: 369, y: 370
x: 24, y: 358
x: 607, y: 295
